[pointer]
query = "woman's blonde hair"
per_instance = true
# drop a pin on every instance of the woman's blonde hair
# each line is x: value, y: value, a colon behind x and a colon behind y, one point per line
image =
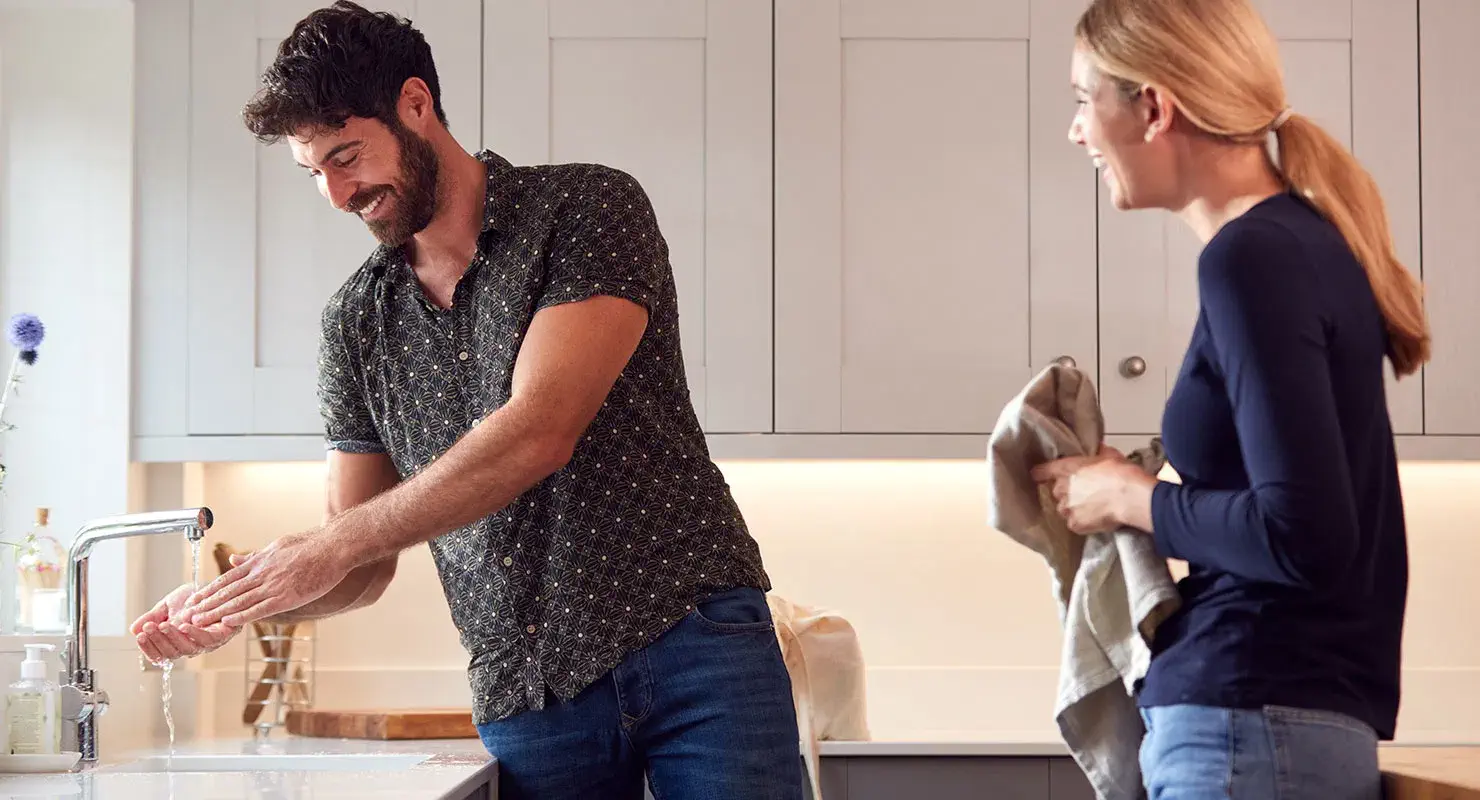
x: 1219, y: 62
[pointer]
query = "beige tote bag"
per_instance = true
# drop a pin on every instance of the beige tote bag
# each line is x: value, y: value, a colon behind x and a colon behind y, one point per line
x: 825, y: 662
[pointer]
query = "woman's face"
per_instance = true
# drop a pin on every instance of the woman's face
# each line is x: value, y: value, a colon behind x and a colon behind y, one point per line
x: 1124, y: 138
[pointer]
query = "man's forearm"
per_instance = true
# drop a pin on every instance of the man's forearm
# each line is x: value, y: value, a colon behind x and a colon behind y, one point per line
x: 500, y: 459
x: 361, y: 587
x: 353, y: 479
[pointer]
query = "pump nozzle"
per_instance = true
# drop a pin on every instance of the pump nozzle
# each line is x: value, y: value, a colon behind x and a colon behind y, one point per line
x: 35, y: 664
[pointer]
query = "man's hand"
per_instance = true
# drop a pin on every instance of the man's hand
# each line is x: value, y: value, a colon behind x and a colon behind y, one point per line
x: 163, y: 633
x: 289, y: 573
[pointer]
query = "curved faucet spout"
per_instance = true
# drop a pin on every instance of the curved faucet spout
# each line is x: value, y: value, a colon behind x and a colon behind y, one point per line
x: 84, y: 703
x: 194, y: 522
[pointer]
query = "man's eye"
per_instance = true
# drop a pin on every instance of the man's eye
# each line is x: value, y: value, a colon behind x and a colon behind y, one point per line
x: 348, y: 161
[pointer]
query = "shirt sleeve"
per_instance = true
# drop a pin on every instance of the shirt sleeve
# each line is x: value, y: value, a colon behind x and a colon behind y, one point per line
x: 1296, y: 524
x: 348, y: 425
x: 606, y: 242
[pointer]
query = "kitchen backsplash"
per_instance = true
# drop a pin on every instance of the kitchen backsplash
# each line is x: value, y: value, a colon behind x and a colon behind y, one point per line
x: 956, y: 621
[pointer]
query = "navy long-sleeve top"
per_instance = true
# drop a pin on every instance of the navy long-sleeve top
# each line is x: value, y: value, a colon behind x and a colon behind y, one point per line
x: 1289, y: 512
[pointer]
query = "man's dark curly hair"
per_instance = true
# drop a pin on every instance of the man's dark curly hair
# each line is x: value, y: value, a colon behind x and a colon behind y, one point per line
x: 340, y: 62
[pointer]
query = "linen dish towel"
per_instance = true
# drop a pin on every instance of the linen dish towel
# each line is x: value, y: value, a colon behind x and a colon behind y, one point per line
x: 1112, y: 589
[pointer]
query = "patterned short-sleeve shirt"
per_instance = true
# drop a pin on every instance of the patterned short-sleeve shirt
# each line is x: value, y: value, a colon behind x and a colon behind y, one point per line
x: 600, y: 558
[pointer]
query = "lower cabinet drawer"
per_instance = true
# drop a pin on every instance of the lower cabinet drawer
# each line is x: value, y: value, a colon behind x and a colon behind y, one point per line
x: 952, y: 778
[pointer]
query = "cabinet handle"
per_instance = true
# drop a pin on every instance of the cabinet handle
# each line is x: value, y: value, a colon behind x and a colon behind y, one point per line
x: 1066, y: 361
x: 1133, y: 367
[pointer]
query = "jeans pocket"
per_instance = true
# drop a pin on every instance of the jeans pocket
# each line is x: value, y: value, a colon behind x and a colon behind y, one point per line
x: 1322, y: 754
x: 1189, y: 751
x: 742, y: 610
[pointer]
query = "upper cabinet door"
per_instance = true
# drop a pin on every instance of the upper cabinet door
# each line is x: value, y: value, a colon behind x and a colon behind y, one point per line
x: 678, y: 94
x: 265, y: 249
x: 1352, y: 66
x: 1451, y: 210
x: 934, y: 226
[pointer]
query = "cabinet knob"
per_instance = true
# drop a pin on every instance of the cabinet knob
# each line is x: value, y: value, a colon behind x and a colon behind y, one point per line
x: 1133, y: 367
x: 1065, y: 361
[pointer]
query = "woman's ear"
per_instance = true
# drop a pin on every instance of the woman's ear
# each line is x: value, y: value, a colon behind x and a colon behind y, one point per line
x: 1156, y: 109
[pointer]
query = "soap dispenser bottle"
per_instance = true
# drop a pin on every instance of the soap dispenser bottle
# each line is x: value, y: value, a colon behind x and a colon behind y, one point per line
x: 32, y: 707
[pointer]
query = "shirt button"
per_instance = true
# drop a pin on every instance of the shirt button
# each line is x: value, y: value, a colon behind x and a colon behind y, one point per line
x: 508, y: 562
x: 531, y: 629
x: 463, y: 356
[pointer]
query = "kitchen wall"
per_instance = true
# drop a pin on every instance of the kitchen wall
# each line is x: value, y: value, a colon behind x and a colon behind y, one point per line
x: 66, y: 177
x: 956, y: 621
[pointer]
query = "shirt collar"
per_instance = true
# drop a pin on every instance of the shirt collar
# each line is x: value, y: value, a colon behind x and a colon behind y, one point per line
x: 498, y: 198
x: 498, y: 206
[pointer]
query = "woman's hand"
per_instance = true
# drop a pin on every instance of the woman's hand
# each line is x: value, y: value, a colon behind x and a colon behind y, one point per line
x: 1099, y: 493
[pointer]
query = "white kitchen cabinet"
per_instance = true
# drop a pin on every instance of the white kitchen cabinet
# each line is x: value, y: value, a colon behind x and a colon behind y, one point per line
x: 1351, y: 65
x: 934, y: 226
x: 678, y: 94
x: 1451, y: 211
x: 937, y: 239
x: 235, y: 230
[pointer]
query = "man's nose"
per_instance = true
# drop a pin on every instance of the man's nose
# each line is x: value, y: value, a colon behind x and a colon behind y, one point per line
x: 338, y: 192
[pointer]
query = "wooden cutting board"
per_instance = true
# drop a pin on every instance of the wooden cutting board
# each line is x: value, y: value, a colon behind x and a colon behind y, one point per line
x: 417, y: 723
x: 1430, y: 773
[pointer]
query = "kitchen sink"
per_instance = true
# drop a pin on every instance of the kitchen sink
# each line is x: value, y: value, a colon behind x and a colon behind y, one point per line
x: 276, y: 762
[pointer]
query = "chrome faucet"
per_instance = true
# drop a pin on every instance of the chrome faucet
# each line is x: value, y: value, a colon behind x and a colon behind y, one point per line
x: 82, y: 702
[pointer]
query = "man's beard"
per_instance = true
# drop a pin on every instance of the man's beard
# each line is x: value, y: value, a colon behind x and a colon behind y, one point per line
x: 414, y: 200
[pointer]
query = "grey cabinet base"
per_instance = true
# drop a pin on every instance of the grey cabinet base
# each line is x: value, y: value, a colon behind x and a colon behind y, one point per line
x: 953, y: 778
x: 950, y: 778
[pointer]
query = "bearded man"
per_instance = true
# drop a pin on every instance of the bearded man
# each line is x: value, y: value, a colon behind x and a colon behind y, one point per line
x: 502, y: 378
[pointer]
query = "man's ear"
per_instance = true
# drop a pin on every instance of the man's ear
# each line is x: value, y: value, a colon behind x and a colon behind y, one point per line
x: 415, y: 104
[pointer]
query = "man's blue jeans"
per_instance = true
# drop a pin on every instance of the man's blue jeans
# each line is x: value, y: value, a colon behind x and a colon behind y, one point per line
x: 704, y: 712
x: 1276, y: 753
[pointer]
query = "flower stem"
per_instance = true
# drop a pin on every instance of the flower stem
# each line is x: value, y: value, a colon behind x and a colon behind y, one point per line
x: 10, y: 382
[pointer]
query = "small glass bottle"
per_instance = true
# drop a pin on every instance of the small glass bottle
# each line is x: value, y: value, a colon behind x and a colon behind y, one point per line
x: 39, y: 578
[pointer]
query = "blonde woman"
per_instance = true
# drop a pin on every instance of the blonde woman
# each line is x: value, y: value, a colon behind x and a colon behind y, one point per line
x: 1281, y: 672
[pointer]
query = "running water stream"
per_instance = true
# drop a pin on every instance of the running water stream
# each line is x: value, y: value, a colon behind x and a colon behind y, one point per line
x: 168, y: 665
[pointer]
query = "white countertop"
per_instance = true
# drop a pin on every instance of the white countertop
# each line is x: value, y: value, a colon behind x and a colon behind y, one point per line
x: 951, y: 743
x: 454, y: 767
x: 1034, y: 744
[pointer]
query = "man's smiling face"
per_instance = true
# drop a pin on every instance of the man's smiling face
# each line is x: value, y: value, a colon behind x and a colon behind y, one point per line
x: 387, y: 176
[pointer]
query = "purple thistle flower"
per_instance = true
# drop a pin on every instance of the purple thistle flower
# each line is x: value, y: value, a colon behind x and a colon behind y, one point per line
x: 28, y: 356
x: 26, y: 332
